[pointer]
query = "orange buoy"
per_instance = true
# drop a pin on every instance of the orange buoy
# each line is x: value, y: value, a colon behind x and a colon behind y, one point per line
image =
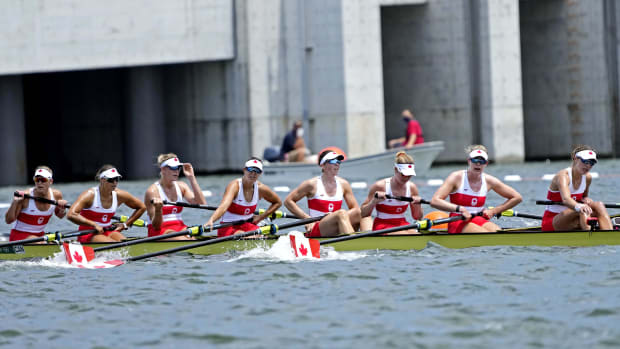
x: 437, y: 215
x: 336, y: 149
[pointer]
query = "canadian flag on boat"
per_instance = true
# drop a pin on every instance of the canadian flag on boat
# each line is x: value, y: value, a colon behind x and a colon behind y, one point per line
x: 80, y: 256
x: 304, y: 247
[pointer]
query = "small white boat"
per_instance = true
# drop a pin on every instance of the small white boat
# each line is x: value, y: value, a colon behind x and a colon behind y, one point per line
x: 364, y: 168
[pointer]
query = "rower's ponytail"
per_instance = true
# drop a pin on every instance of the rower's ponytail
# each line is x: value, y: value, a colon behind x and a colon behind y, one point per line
x: 403, y: 158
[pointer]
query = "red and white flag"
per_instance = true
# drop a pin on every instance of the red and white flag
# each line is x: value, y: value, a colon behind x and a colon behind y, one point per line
x: 81, y: 257
x: 304, y: 247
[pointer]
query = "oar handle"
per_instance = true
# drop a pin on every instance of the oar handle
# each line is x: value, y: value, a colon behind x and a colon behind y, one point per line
x: 136, y: 223
x: 403, y: 198
x: 268, y: 229
x: 549, y: 202
x: 186, y: 204
x: 513, y: 213
x: 277, y: 214
x: 40, y: 199
x: 421, y: 225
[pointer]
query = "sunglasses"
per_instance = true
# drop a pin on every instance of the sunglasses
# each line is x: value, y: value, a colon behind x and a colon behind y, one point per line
x: 174, y: 168
x: 40, y: 180
x: 334, y: 162
x: 590, y: 162
x: 112, y: 180
x: 478, y: 161
x: 254, y: 169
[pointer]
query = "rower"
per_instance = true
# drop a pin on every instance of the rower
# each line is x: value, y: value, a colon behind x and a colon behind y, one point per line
x: 95, y: 207
x: 468, y: 192
x: 571, y: 187
x: 31, y: 216
x: 325, y: 195
x: 162, y: 218
x: 391, y: 212
x: 241, y: 198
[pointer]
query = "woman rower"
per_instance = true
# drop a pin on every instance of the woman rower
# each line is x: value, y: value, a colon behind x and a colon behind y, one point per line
x: 391, y: 212
x: 468, y: 191
x: 95, y: 207
x: 325, y: 195
x: 31, y: 216
x: 571, y: 187
x: 167, y: 218
x: 241, y: 198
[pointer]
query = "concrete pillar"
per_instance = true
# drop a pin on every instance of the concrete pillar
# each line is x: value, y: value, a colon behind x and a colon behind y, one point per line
x: 501, y: 105
x: 12, y: 131
x: 145, y: 135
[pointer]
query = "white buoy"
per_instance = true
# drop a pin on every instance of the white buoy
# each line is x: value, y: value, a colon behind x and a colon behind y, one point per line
x: 207, y: 193
x: 359, y: 185
x: 594, y: 174
x: 512, y: 178
x: 435, y: 182
x: 283, y: 189
x: 4, y: 205
x: 548, y: 177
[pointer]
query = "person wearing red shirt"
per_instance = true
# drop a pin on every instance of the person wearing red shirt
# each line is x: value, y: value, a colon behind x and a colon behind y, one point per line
x: 413, y: 135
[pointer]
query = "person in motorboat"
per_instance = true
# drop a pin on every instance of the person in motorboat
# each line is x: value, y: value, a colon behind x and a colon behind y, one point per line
x: 413, y: 132
x: 391, y: 212
x: 325, y: 195
x: 571, y: 187
x: 468, y: 190
x: 95, y: 207
x: 293, y: 147
x: 31, y: 216
x: 162, y: 218
x: 241, y: 198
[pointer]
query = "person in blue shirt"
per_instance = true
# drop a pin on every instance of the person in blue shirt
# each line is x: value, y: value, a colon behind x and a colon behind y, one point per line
x: 293, y: 147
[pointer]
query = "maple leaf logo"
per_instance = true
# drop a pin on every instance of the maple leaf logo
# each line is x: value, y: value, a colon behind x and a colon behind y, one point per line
x: 303, y: 250
x: 77, y: 257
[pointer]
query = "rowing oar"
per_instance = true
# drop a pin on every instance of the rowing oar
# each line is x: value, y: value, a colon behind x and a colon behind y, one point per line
x: 513, y: 213
x: 122, y: 219
x: 277, y: 214
x: 269, y: 229
x: 549, y: 202
x: 56, y: 236
x: 298, y: 242
x: 192, y: 231
x: 403, y: 198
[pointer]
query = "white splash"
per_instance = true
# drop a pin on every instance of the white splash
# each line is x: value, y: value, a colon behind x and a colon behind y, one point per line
x: 282, y: 251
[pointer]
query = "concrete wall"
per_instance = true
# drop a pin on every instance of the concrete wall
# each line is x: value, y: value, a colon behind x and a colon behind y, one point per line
x: 53, y: 35
x: 566, y: 89
x: 12, y: 131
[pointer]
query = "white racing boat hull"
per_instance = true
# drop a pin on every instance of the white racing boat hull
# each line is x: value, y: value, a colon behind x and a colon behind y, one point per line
x: 364, y: 168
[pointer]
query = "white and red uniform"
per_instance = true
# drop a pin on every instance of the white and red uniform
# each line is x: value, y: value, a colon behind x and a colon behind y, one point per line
x: 31, y: 220
x: 390, y: 212
x: 473, y: 201
x: 240, y: 209
x: 553, y: 210
x: 171, y: 215
x: 321, y: 203
x: 97, y: 213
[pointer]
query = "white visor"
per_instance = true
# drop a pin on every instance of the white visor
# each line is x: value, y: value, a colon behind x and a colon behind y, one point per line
x: 586, y: 155
x: 330, y: 156
x: 110, y: 173
x: 406, y: 169
x: 172, y: 162
x: 478, y: 153
x: 41, y: 172
x: 254, y: 163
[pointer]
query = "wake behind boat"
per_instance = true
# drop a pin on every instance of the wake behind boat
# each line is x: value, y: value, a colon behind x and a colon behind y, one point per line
x: 364, y: 168
x: 512, y: 237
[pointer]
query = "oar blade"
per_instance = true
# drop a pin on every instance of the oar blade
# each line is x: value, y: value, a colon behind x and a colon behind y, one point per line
x: 82, y: 256
x: 304, y: 247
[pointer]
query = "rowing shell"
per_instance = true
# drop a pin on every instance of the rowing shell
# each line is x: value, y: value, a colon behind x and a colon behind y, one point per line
x: 513, y: 237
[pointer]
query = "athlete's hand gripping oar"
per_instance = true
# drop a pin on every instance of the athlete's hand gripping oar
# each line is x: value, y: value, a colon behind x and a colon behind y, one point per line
x: 277, y: 214
x: 299, y: 243
x: 122, y: 219
x: 549, y: 202
x: 404, y: 198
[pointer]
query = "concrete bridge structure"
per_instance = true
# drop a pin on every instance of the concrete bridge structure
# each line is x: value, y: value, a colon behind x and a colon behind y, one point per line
x: 85, y: 82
